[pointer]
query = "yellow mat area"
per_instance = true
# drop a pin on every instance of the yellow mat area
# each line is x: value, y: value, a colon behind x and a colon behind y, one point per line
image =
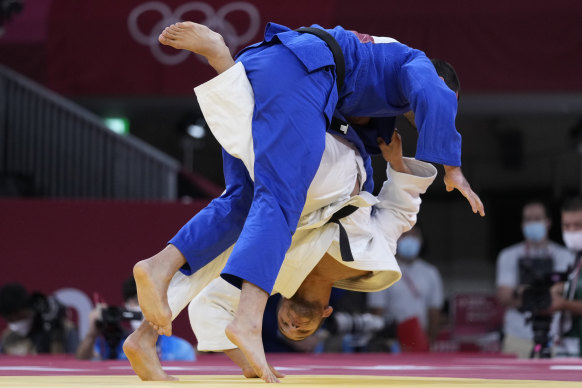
x: 315, y: 381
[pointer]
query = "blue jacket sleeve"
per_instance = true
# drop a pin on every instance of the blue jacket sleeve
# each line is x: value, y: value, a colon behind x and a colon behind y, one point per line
x: 435, y: 108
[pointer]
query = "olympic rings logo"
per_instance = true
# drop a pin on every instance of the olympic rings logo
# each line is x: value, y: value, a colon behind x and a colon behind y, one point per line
x: 214, y: 20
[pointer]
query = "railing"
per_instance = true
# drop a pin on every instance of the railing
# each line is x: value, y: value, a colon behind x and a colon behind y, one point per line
x: 64, y: 151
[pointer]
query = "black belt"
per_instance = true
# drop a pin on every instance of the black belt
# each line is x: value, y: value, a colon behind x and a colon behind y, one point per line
x: 344, y: 242
x: 338, y: 55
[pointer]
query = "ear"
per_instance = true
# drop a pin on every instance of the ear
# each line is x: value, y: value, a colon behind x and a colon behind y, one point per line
x: 327, y: 311
x: 456, y: 93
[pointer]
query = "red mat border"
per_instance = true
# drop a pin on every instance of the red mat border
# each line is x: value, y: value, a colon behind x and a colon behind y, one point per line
x: 375, y: 364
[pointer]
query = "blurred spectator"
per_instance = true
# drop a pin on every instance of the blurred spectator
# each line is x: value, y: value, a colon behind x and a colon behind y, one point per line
x: 521, y: 265
x: 414, y: 303
x: 36, y: 323
x: 350, y: 329
x: 568, y: 297
x: 110, y: 326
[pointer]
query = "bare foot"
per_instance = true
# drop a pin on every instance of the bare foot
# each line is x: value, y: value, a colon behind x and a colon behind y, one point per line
x: 248, y: 338
x: 140, y: 349
x: 152, y: 297
x: 152, y: 277
x: 250, y: 373
x: 198, y: 39
x: 239, y: 358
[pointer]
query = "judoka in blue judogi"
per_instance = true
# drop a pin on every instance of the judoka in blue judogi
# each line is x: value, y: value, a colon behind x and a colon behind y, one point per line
x: 296, y: 95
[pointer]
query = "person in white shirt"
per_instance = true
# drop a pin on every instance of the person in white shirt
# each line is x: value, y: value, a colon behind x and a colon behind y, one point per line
x: 567, y: 296
x: 516, y: 266
x: 419, y: 294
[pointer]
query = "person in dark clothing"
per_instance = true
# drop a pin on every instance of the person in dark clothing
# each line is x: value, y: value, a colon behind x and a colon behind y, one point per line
x: 36, y: 323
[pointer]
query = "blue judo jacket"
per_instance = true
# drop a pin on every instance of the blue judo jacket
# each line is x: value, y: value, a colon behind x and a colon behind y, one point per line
x: 382, y: 80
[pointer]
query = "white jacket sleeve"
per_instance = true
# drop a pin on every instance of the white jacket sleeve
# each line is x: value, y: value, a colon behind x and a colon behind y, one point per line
x: 373, y: 232
x: 399, y: 199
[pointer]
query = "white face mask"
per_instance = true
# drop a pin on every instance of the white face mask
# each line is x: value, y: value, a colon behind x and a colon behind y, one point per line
x: 134, y: 323
x: 573, y: 240
x: 21, y: 327
x: 408, y: 247
x: 535, y: 231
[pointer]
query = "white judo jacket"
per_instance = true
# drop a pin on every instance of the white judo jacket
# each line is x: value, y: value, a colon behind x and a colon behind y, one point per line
x: 373, y: 231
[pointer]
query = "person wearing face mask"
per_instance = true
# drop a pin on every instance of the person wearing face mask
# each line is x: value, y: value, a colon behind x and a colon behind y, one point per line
x: 413, y: 303
x: 36, y: 324
x: 536, y: 252
x: 105, y: 340
x: 567, y: 297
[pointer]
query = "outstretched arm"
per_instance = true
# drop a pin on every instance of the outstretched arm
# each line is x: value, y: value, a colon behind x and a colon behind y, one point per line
x: 435, y: 108
x: 454, y: 179
x: 392, y: 153
x: 399, y: 198
x: 85, y: 350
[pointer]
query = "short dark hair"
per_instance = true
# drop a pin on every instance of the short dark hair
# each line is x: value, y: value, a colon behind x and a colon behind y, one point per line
x: 13, y: 298
x: 540, y: 203
x: 305, y: 308
x: 418, y: 227
x: 447, y: 71
x: 572, y: 204
x: 129, y: 289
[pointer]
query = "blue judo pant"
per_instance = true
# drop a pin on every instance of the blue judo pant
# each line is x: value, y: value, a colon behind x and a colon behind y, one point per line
x: 288, y: 129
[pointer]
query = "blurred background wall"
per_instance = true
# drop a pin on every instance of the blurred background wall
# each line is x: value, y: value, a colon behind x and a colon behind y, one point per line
x: 520, y: 114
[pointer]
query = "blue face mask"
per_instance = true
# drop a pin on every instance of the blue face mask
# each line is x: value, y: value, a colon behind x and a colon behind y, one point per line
x: 534, y: 231
x: 408, y: 247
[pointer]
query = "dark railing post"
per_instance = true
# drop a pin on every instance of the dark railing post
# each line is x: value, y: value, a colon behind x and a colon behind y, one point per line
x: 3, y: 122
x: 68, y: 152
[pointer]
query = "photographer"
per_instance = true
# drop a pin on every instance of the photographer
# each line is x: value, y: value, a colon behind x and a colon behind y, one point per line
x: 36, y: 323
x: 568, y: 297
x: 414, y: 303
x: 519, y: 265
x: 110, y: 326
